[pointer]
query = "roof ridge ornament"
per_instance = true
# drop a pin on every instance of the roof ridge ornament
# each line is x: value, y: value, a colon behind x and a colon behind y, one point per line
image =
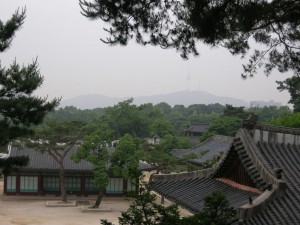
x: 250, y: 122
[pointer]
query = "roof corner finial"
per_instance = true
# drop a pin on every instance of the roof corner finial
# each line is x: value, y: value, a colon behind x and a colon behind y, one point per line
x: 250, y: 121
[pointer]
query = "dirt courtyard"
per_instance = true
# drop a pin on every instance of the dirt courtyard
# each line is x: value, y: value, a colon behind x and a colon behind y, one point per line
x: 35, y: 212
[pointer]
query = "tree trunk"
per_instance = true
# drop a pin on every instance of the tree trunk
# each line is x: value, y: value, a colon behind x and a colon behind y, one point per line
x: 62, y: 183
x: 99, y: 198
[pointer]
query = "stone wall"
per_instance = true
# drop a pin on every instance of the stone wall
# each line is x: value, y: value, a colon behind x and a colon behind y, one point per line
x: 182, y: 176
x: 277, y: 135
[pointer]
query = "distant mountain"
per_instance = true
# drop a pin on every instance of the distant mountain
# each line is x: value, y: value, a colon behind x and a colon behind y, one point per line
x: 185, y: 98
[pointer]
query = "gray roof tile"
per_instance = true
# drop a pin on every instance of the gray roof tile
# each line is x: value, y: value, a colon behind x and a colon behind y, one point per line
x: 39, y: 161
x: 211, y: 147
x: 272, y: 155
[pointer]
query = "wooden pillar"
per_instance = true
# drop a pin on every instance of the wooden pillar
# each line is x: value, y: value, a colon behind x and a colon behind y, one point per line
x: 18, y: 184
x: 5, y: 185
x: 125, y: 184
x: 40, y: 183
x: 82, y: 185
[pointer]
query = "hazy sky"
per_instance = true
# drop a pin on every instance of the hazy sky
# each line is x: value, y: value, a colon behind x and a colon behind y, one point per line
x: 75, y: 62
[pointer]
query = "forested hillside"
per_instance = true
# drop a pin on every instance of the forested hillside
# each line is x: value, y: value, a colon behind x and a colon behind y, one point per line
x: 161, y: 119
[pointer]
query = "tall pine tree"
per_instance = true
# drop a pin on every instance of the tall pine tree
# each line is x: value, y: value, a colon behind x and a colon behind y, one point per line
x: 19, y: 109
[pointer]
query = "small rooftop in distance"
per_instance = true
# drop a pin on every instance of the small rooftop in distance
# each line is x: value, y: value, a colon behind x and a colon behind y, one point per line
x: 213, y: 146
x: 196, y: 128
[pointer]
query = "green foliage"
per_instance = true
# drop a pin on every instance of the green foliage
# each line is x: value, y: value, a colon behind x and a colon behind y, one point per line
x: 101, y: 177
x: 228, y: 123
x: 140, y: 121
x: 216, y: 210
x: 165, y: 108
x: 94, y: 149
x: 164, y: 161
x: 170, y: 142
x: 151, y: 111
x: 126, y: 118
x: 271, y: 25
x: 55, y: 135
x: 288, y: 121
x: 125, y: 158
x: 203, y: 152
x: 161, y: 127
x: 74, y: 114
x: 206, y: 136
x: 19, y: 109
x: 292, y: 85
x: 167, y: 121
x: 56, y: 139
x: 145, y: 211
x: 201, y: 117
x: 160, y: 154
x: 8, y: 29
x: 123, y: 161
x: 183, y: 143
x: 238, y: 112
x: 7, y: 164
x: 268, y: 113
x: 225, y: 125
x: 206, y: 109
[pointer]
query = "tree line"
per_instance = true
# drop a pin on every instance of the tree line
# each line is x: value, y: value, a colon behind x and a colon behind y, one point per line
x: 160, y: 119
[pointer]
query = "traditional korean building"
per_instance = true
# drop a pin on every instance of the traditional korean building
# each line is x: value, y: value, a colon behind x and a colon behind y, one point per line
x: 41, y: 176
x: 259, y: 175
x: 195, y: 129
x: 206, y: 152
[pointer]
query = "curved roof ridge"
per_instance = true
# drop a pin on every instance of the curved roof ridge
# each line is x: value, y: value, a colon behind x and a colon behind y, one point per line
x: 275, y: 134
x: 212, y: 137
x: 217, y: 166
x: 264, y: 169
x: 260, y: 203
x: 276, y: 187
x: 239, y: 186
x: 278, y: 129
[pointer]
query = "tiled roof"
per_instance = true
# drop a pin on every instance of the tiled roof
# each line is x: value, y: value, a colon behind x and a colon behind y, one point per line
x: 207, y: 149
x: 39, y: 161
x: 43, y: 162
x: 190, y: 193
x: 197, y: 127
x: 144, y: 166
x: 260, y: 157
x: 243, y: 164
x: 284, y: 210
